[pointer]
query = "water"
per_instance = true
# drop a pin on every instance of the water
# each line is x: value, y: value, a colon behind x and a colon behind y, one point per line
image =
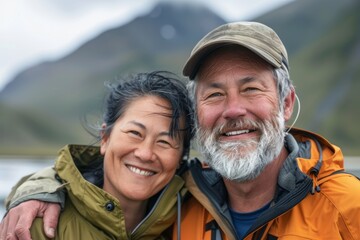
x: 12, y: 169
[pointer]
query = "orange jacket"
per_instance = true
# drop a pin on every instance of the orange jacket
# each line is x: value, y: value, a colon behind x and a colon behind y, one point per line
x: 314, y: 200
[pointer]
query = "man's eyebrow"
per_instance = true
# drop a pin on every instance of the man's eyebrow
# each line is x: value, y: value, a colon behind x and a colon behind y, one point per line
x: 219, y: 84
x: 246, y: 79
x: 215, y: 85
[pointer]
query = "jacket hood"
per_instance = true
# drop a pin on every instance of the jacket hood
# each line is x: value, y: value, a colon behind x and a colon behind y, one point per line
x: 317, y: 155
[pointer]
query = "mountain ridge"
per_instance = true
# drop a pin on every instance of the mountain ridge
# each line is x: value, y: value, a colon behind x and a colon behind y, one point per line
x: 44, y: 103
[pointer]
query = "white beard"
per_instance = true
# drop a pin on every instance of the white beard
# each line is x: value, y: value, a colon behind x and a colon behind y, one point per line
x: 243, y: 160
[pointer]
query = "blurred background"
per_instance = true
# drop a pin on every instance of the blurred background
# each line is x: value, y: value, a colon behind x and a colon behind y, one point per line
x: 56, y: 55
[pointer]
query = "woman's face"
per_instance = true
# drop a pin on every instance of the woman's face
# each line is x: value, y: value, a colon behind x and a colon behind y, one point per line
x: 140, y: 157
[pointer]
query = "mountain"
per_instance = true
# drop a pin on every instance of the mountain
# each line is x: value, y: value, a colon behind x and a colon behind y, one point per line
x: 323, y: 40
x: 42, y: 106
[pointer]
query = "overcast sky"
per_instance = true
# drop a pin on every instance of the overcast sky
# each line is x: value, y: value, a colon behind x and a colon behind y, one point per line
x: 32, y: 31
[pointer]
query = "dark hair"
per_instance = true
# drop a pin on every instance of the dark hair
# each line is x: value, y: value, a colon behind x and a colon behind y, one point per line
x: 162, y: 84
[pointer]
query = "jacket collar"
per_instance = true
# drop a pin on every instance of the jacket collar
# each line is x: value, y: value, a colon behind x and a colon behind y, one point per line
x: 102, y: 209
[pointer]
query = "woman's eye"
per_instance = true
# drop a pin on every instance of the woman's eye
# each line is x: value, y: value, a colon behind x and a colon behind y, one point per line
x: 164, y: 142
x: 135, y: 133
x: 168, y: 143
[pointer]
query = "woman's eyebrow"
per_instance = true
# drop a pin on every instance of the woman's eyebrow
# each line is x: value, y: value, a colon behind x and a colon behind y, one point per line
x: 138, y: 124
x: 142, y: 126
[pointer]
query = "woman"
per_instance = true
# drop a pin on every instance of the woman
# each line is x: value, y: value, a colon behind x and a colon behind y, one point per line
x: 132, y: 192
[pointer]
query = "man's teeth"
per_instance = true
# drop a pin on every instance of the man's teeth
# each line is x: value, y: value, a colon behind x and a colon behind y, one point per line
x: 237, y: 132
x: 140, y: 172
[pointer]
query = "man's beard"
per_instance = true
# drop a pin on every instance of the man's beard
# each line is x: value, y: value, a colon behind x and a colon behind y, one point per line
x: 242, y: 160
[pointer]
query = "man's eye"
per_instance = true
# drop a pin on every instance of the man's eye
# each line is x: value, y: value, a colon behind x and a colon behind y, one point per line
x: 212, y: 95
x: 250, y: 89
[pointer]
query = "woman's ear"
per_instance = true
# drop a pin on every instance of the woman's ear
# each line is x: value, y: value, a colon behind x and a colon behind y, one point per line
x: 104, y: 139
x: 289, y: 104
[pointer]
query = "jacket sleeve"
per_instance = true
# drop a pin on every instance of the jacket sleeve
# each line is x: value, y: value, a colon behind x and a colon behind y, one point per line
x: 42, y: 185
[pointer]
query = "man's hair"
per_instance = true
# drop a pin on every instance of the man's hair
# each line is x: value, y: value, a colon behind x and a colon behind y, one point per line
x: 283, y: 83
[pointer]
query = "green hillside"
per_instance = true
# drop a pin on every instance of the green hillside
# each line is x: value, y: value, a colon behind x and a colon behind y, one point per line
x: 61, y: 92
x: 333, y: 70
x: 42, y: 107
x: 324, y: 48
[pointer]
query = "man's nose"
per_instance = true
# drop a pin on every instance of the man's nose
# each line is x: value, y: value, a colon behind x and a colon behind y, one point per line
x: 234, y: 107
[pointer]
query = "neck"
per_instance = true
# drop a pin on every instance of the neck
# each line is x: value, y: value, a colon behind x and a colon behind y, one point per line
x: 134, y: 213
x: 133, y: 210
x: 252, y: 195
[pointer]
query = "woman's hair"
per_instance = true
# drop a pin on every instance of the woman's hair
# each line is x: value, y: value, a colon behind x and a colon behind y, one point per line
x: 160, y: 84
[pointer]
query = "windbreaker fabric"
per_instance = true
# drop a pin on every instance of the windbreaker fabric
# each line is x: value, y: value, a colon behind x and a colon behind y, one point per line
x: 91, y: 213
x: 314, y: 198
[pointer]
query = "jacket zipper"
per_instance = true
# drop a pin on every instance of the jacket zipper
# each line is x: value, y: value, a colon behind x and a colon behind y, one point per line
x: 151, y: 211
x: 201, y: 183
x: 281, y: 207
x: 285, y: 204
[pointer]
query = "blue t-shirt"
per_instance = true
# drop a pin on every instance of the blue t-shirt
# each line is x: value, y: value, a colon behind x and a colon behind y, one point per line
x: 243, y: 221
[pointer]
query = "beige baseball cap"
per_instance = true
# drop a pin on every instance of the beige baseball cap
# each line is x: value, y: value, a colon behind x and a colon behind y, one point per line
x: 255, y: 36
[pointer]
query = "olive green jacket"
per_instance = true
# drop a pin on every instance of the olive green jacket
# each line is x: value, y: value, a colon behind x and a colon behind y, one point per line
x: 91, y: 213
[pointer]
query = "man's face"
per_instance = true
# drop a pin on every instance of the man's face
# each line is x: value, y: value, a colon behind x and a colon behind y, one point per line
x: 240, y: 125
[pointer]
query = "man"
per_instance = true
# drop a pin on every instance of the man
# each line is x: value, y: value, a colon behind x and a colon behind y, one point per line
x: 264, y: 181
x: 260, y: 180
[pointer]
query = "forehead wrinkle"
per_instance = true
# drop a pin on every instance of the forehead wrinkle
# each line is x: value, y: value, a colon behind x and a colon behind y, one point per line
x: 225, y: 57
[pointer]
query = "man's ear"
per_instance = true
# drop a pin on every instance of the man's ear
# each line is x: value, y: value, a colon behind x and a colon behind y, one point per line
x: 289, y: 104
x: 104, y: 139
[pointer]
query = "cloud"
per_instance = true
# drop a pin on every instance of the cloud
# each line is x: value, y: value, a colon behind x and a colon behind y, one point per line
x: 39, y: 30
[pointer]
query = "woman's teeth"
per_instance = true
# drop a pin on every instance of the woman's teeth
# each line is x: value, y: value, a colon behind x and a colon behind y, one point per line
x: 140, y: 172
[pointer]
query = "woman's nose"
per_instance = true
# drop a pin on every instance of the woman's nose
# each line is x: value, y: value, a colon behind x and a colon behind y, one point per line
x: 145, y: 151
